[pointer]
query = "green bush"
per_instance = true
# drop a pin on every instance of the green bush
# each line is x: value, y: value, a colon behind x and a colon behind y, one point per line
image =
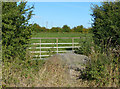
x: 106, y: 24
x: 104, y: 67
x: 16, y: 31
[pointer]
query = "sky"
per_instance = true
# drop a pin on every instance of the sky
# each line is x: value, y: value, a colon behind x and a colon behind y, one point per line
x: 57, y: 14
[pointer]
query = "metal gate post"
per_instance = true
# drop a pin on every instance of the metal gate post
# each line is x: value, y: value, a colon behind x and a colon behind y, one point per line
x: 57, y: 44
x: 72, y: 44
x: 40, y: 48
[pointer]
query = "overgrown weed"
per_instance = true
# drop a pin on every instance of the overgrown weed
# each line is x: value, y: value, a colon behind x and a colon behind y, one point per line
x: 20, y: 73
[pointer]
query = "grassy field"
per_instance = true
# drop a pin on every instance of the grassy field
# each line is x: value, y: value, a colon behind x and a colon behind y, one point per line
x: 54, y: 34
x: 58, y: 34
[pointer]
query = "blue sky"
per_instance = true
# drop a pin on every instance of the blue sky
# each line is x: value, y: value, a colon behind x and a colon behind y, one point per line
x: 57, y: 14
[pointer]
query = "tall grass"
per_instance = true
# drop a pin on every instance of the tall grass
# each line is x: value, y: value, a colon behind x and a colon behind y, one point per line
x: 20, y: 73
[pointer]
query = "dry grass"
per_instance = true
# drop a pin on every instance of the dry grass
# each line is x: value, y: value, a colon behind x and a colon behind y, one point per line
x: 55, y: 73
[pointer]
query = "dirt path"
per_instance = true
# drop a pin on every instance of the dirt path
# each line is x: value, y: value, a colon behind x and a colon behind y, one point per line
x: 57, y: 73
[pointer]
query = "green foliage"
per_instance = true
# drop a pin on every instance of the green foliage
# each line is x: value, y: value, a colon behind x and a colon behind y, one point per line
x: 78, y: 28
x: 106, y: 24
x: 0, y: 31
x: 55, y: 29
x: 16, y: 31
x: 86, y: 43
x: 36, y: 28
x: 104, y: 60
x: 66, y: 28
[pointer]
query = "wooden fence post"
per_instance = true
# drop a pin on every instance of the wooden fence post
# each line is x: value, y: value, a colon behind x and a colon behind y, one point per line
x: 57, y: 44
x: 40, y: 48
x: 72, y: 44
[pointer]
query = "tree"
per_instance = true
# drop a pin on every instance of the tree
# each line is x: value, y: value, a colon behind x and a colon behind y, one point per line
x: 78, y: 28
x: 36, y: 28
x: 106, y: 24
x: 55, y: 29
x: 85, y: 30
x: 59, y: 29
x: 16, y: 31
x: 89, y: 30
x: 66, y: 28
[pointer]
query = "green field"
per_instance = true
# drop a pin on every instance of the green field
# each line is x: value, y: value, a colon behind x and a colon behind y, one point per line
x: 54, y: 34
x: 47, y: 34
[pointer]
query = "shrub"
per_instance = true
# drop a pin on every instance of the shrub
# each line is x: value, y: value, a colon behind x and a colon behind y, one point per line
x: 16, y: 31
x: 106, y: 24
x: 103, y: 69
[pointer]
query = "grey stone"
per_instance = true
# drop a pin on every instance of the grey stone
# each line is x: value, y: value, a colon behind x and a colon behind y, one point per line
x: 75, y: 61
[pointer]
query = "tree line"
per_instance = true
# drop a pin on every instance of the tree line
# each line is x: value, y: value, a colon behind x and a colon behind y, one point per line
x: 37, y: 28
